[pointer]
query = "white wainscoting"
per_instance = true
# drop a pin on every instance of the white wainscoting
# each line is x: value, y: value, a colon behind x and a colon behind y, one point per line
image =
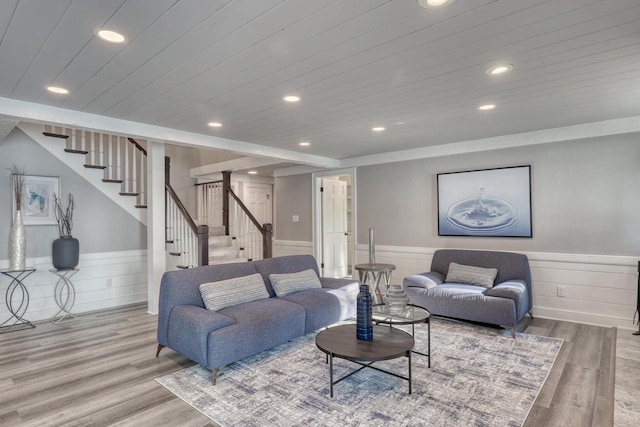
x: 291, y: 247
x: 600, y: 290
x: 105, y: 280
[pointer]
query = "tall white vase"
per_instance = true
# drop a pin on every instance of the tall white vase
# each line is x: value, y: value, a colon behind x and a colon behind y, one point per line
x: 17, y: 244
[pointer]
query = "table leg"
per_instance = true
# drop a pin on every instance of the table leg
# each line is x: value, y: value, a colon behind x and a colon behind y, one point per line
x: 331, y: 374
x: 409, y: 356
x: 429, y: 342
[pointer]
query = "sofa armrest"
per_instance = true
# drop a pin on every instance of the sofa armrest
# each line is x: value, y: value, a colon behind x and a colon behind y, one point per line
x: 424, y: 280
x: 510, y: 289
x: 189, y: 328
x: 199, y: 321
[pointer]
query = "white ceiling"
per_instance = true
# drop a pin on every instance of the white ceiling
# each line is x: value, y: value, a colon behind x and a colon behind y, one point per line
x: 355, y: 64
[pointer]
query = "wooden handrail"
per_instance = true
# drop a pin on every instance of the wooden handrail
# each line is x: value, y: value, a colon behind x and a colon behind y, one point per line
x: 246, y: 211
x: 181, y: 208
x: 138, y: 146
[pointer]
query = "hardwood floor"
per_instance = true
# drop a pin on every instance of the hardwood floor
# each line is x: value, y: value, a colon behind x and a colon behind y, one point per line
x: 100, y: 370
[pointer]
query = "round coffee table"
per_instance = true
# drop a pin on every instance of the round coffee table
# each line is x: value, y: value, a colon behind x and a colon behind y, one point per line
x: 388, y: 343
x: 411, y: 315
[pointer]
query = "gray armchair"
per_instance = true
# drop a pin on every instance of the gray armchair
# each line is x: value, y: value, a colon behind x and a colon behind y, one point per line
x: 505, y: 303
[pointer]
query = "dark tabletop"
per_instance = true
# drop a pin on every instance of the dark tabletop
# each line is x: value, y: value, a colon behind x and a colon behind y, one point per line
x: 387, y: 343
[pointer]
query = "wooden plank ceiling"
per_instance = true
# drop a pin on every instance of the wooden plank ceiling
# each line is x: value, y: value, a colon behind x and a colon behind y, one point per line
x: 355, y: 64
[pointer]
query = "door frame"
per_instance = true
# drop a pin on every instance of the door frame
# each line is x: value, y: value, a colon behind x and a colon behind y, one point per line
x: 316, y: 206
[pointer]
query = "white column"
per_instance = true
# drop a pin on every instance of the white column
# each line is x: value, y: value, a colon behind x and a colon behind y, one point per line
x: 155, y: 222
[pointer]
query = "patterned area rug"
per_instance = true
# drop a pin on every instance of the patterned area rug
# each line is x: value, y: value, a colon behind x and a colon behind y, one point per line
x: 479, y: 377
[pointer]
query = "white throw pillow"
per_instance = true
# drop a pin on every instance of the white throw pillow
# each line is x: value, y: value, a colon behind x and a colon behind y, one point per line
x: 471, y: 275
x: 230, y: 292
x: 285, y: 284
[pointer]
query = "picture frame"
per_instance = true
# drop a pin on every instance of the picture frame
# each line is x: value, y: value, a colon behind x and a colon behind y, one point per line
x: 485, y: 202
x: 37, y: 199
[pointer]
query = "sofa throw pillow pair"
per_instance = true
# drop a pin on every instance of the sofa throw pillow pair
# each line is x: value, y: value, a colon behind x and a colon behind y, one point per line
x: 471, y: 275
x: 289, y: 283
x: 230, y: 292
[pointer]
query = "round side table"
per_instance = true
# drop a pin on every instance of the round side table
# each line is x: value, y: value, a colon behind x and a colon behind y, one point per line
x: 64, y: 294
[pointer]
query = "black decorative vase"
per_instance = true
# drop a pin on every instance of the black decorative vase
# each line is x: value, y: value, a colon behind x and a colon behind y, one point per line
x: 65, y: 252
x: 364, y: 317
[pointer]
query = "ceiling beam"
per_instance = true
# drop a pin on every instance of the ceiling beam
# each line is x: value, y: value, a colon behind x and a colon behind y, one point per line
x: 46, y: 114
x: 6, y: 126
x: 240, y: 164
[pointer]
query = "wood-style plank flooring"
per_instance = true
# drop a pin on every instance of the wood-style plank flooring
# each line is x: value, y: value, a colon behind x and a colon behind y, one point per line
x: 100, y: 370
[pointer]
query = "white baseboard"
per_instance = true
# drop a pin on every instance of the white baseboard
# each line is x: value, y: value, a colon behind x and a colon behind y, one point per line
x: 105, y: 280
x: 600, y: 289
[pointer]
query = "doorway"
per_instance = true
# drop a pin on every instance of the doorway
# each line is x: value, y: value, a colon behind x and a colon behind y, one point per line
x: 334, y: 221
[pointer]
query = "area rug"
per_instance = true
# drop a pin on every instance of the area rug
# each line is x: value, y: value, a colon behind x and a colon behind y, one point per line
x: 479, y: 376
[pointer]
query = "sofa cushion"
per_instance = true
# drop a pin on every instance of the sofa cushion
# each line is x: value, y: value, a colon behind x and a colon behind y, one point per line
x: 289, y: 283
x: 470, y: 275
x: 324, y: 306
x: 230, y: 292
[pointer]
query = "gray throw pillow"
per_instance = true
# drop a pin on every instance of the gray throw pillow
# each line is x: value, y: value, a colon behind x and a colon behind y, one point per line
x: 289, y: 283
x: 471, y: 275
x: 230, y: 292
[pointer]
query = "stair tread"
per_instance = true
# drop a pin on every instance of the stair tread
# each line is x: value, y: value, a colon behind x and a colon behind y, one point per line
x: 55, y: 135
x: 129, y: 194
x: 175, y: 253
x: 70, y: 150
x: 95, y: 167
x: 116, y: 181
x: 141, y: 206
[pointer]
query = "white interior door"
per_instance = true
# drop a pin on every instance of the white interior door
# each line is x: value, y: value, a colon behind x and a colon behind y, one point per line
x: 334, y: 227
x: 257, y: 198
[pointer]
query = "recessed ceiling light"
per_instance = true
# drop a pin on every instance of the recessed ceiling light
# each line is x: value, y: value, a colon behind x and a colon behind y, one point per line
x: 499, y: 69
x: 57, y: 89
x: 400, y: 123
x: 377, y: 129
x: 486, y: 107
x: 252, y: 172
x: 304, y: 144
x: 291, y: 98
x: 215, y: 124
x: 430, y: 4
x: 110, y: 36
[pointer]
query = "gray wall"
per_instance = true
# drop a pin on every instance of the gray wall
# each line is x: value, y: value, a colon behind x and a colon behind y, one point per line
x: 99, y: 224
x: 293, y: 197
x: 584, y: 198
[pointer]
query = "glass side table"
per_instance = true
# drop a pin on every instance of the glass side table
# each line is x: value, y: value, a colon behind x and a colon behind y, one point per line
x: 65, y: 295
x: 18, y: 306
x: 410, y: 316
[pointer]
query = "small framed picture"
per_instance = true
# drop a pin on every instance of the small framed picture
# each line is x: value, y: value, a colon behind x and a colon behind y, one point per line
x: 37, y: 199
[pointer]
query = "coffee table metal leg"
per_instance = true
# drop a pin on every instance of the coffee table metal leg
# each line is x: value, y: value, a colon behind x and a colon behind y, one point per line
x: 429, y: 342
x: 331, y: 374
x: 409, y: 356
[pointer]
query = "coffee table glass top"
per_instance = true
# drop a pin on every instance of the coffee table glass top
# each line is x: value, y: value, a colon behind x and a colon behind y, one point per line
x: 411, y: 314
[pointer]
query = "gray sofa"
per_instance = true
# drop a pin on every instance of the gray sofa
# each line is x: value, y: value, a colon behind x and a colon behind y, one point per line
x: 216, y: 338
x: 504, y: 304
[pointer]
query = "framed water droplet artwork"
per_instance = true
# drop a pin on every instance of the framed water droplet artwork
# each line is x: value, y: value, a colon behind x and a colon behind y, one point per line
x: 487, y: 202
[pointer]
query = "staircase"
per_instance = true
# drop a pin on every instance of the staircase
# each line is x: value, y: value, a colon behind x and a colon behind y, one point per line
x: 222, y: 248
x: 121, y: 162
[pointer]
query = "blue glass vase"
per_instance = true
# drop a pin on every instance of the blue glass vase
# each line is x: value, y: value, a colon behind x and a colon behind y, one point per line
x: 364, y: 319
